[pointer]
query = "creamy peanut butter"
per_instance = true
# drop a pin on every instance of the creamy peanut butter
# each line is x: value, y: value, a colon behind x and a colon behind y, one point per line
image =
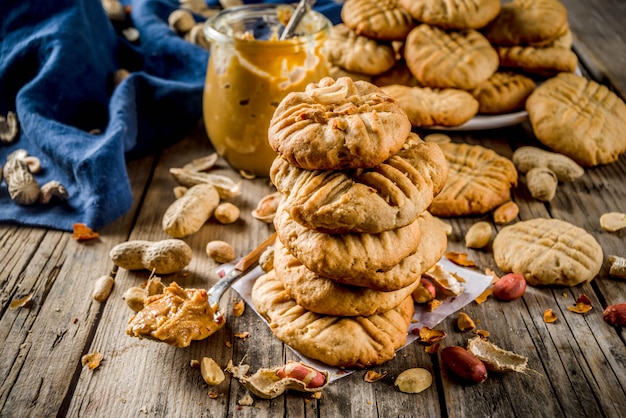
x: 246, y: 80
x: 176, y: 317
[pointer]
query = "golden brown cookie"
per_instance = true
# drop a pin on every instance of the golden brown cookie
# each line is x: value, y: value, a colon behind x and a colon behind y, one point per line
x: 429, y: 107
x: 457, y: 59
x: 528, y: 22
x: 383, y: 20
x: 453, y: 14
x: 503, y: 92
x: 544, y: 61
x: 351, y: 342
x: 391, y: 195
x: 548, y: 252
x: 345, y: 255
x: 324, y: 296
x: 479, y: 180
x: 335, y: 125
x: 356, y: 53
x: 430, y: 250
x: 579, y: 118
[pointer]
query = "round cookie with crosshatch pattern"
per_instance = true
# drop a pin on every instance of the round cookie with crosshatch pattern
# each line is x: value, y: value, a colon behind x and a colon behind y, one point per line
x: 427, y: 107
x: 453, y: 14
x: 503, y: 92
x: 431, y: 248
x: 548, y: 252
x: 383, y: 20
x: 346, y: 255
x: 324, y: 296
x: 351, y: 342
x: 479, y: 180
x: 388, y: 196
x: 528, y: 22
x: 335, y: 125
x: 358, y: 54
x: 543, y: 61
x: 579, y: 118
x: 458, y: 59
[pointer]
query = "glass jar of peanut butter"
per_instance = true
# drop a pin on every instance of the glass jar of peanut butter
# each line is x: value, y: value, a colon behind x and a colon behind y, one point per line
x: 250, y: 71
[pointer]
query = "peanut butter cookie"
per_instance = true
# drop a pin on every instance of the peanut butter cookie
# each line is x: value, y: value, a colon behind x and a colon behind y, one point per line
x: 429, y: 107
x: 528, y: 22
x: 548, y: 252
x: 479, y: 180
x: 346, y: 255
x: 383, y: 20
x: 503, y: 92
x: 323, y: 296
x: 358, y: 54
x: 430, y: 250
x: 453, y: 14
x: 388, y: 196
x: 351, y: 342
x: 579, y: 118
x: 543, y: 61
x: 335, y: 125
x: 459, y: 59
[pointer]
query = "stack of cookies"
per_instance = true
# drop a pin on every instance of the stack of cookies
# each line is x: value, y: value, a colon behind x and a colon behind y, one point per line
x: 533, y: 36
x: 446, y: 61
x: 354, y: 236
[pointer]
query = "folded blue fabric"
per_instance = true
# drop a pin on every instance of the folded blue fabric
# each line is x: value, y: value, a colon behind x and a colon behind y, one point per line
x: 57, y: 59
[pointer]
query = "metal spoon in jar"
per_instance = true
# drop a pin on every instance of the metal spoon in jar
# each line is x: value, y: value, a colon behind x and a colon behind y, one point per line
x: 303, y: 7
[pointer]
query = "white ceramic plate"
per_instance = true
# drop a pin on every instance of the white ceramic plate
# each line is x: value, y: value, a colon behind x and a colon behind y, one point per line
x: 481, y: 122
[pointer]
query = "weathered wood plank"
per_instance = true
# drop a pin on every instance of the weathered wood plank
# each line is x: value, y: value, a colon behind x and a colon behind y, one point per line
x: 599, y: 35
x: 44, y: 343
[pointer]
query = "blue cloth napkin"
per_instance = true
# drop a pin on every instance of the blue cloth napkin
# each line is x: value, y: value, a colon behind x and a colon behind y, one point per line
x: 57, y: 59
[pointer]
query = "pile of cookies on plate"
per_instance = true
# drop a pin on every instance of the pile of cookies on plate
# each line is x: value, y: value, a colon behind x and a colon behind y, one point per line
x: 446, y: 61
x: 354, y: 236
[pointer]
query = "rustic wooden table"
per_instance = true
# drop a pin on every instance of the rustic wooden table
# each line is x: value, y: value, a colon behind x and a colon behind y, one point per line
x: 578, y: 363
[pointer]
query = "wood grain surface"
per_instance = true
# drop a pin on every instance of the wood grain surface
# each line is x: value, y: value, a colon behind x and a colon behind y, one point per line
x: 577, y: 364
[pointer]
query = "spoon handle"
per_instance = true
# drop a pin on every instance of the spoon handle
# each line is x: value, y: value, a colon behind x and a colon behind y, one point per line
x: 303, y: 7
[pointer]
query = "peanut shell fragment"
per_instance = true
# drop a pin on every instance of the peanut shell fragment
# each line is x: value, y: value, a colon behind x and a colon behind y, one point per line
x: 22, y: 186
x: 9, y: 128
x: 549, y: 316
x: 617, y: 266
x: 52, y: 190
x: 226, y: 187
x: 266, y: 208
x: 464, y: 322
x: 444, y: 280
x: 267, y: 384
x: 495, y: 358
